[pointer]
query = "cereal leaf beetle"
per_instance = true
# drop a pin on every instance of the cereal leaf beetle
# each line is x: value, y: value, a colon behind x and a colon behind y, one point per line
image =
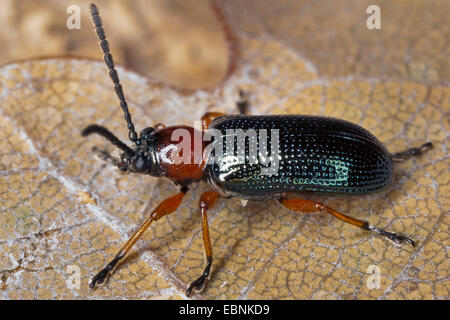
x: 312, y: 154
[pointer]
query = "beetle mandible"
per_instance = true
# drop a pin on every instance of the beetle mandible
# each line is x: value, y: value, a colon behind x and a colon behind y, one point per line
x: 313, y: 154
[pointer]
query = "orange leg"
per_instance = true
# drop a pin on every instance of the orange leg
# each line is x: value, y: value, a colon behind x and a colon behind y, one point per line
x: 208, y: 117
x: 160, y: 126
x: 166, y: 207
x: 313, y: 206
x: 207, y: 201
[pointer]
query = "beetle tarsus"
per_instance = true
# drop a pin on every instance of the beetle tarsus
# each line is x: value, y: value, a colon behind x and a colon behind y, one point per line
x: 200, y: 282
x: 413, y: 152
x: 397, y: 238
x: 100, y: 277
x: 197, y: 285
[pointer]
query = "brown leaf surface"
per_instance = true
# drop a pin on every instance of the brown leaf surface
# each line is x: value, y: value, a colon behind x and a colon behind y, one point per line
x: 179, y: 42
x: 62, y: 207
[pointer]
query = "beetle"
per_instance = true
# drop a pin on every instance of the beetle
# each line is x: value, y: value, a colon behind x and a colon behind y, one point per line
x: 312, y: 154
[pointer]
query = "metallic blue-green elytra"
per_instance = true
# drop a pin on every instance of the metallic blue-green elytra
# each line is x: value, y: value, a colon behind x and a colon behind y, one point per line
x: 315, y: 154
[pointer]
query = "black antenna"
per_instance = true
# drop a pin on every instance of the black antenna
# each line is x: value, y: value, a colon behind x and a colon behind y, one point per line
x: 112, y: 71
x: 94, y: 128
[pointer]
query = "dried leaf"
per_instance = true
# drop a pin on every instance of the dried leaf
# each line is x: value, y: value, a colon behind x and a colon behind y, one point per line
x: 180, y: 42
x: 61, y: 207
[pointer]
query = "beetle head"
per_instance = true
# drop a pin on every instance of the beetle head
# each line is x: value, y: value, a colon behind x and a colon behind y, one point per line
x: 142, y: 159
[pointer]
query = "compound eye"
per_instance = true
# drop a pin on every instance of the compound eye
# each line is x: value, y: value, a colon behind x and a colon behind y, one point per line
x: 140, y: 165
